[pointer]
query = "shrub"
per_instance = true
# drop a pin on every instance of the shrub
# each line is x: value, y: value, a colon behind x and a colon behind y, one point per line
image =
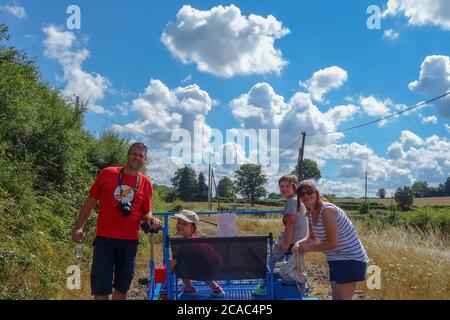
x: 364, y: 209
x: 404, y: 198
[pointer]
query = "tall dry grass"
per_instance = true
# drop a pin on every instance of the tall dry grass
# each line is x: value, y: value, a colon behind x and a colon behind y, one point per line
x: 414, y: 264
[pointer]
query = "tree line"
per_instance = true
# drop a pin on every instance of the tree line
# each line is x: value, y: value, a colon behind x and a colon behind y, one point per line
x: 249, y: 183
x: 420, y: 189
x: 405, y: 195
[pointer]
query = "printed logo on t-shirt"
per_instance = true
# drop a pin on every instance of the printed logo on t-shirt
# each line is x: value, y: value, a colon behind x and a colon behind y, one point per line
x: 127, y: 194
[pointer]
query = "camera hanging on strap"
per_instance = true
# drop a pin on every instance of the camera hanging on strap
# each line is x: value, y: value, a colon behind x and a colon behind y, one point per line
x: 126, y: 207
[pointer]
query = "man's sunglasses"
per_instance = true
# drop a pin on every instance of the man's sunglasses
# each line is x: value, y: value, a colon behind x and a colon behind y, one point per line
x: 304, y: 192
x: 139, y: 145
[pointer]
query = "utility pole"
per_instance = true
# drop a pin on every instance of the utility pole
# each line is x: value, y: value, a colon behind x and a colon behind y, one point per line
x: 209, y: 185
x: 365, y: 195
x: 392, y: 203
x: 300, y: 157
x: 215, y: 188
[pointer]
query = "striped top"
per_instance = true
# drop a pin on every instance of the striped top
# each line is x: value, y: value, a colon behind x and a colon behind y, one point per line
x: 349, y: 246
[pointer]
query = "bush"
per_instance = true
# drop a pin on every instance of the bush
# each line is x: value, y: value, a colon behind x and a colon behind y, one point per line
x: 429, y: 219
x: 364, y: 209
x: 176, y: 206
x: 170, y: 197
x: 404, y: 198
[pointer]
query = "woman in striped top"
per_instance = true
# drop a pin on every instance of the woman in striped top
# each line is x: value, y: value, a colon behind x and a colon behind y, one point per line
x: 345, y: 254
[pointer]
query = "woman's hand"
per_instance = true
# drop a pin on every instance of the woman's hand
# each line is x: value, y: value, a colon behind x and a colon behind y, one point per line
x: 298, y: 248
x: 284, y: 246
x: 303, y: 246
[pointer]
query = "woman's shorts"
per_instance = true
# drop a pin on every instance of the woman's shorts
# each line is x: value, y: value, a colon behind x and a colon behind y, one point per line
x: 346, y: 271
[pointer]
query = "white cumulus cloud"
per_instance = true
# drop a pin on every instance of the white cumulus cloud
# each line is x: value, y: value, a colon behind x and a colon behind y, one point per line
x: 325, y: 80
x: 421, y: 12
x: 16, y: 10
x: 374, y: 107
x: 223, y: 42
x: 434, y: 80
x: 409, y: 138
x: 430, y: 119
x: 391, y: 34
x: 90, y: 87
x: 395, y: 151
x: 447, y: 127
x: 340, y: 114
x: 261, y: 107
x: 163, y: 110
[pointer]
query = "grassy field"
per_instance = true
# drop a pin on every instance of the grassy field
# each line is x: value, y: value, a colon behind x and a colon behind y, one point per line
x: 419, y: 202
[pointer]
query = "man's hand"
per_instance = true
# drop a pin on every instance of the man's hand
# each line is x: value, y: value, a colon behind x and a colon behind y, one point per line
x: 151, y: 221
x: 77, y: 235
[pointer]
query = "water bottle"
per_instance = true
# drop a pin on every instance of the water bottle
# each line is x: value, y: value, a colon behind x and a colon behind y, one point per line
x: 79, y: 249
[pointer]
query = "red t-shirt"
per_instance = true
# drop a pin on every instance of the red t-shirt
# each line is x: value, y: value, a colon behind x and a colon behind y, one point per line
x: 111, y: 223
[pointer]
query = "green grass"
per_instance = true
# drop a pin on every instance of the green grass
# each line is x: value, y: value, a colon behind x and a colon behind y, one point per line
x: 419, y: 202
x: 425, y: 219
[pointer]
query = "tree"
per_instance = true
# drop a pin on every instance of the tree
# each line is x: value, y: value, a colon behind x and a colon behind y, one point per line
x: 404, y: 198
x: 249, y: 182
x: 110, y: 150
x: 420, y: 189
x: 446, y: 187
x: 310, y: 170
x: 202, y: 188
x: 273, y: 195
x: 225, y: 188
x: 381, y: 193
x: 185, y: 184
x: 4, y: 32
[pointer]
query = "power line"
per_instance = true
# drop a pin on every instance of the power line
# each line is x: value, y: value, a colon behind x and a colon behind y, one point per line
x: 367, y: 123
x: 289, y: 146
x: 383, y: 118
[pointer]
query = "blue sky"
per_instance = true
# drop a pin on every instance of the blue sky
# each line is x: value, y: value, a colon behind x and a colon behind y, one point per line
x: 326, y: 44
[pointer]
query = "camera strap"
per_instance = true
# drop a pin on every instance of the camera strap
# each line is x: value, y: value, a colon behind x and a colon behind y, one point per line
x: 136, y: 184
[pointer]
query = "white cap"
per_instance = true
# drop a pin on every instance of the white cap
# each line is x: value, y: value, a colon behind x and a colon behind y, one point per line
x: 187, y: 215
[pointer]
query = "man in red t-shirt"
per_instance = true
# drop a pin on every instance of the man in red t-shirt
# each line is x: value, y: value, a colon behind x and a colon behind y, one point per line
x: 125, y: 199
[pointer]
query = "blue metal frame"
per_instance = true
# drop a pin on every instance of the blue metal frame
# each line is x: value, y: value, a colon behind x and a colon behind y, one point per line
x: 170, y: 277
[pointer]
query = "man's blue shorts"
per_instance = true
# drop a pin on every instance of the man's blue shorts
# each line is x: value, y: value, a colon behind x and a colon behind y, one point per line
x: 346, y: 271
x: 112, y: 257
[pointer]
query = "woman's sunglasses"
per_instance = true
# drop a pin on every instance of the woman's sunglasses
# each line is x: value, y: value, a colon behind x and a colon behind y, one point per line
x: 304, y: 192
